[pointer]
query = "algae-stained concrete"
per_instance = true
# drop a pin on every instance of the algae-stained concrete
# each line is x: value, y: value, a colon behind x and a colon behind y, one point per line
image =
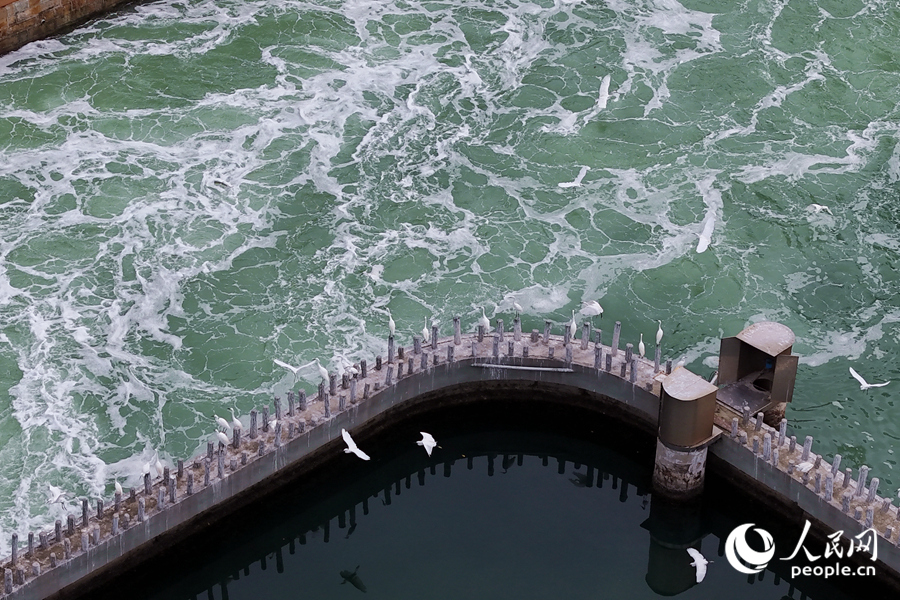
x: 24, y: 21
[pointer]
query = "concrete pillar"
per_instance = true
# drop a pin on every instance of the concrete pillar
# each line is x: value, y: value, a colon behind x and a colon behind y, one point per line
x: 687, y: 405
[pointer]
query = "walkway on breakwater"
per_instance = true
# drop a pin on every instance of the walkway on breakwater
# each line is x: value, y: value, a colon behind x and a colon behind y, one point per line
x: 110, y: 534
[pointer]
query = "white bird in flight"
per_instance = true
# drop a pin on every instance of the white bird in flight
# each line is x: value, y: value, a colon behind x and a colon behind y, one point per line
x: 351, y: 446
x: 863, y: 384
x: 699, y: 563
x: 817, y: 208
x: 659, y: 332
x: 641, y: 347
x: 592, y: 309
x: 56, y: 495
x: 603, y: 97
x: 427, y: 442
x: 484, y: 321
x: 577, y: 182
x: 706, y: 234
x: 291, y: 368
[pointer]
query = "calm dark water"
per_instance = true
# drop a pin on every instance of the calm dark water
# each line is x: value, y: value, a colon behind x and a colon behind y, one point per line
x: 498, y: 512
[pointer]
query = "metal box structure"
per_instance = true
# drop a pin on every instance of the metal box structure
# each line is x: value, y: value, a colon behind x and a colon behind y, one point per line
x: 686, y: 409
x: 756, y: 368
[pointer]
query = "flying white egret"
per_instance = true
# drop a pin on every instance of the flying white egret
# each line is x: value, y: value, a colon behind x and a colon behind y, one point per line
x: 290, y: 368
x: 817, y: 208
x: 592, y: 309
x: 699, y: 563
x: 235, y: 422
x: 145, y: 470
x: 56, y: 495
x: 351, y: 446
x: 603, y: 97
x: 577, y: 181
x: 221, y: 422
x: 659, y: 332
x: 223, y: 439
x: 863, y: 384
x: 517, y: 307
x: 706, y: 234
x: 427, y: 442
x: 484, y: 321
x: 323, y: 372
x: 641, y: 347
x: 391, y: 325
x: 426, y: 335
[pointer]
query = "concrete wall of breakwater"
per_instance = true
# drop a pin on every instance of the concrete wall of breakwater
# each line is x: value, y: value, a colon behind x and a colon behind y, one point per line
x: 24, y: 21
x: 462, y: 368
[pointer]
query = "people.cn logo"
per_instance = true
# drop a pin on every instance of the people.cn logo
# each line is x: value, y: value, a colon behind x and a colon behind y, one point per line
x: 744, y: 558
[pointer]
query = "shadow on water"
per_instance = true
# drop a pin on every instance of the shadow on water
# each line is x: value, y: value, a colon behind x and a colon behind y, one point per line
x: 503, y: 508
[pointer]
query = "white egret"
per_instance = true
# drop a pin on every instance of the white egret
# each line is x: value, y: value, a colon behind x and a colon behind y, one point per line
x: 517, y: 307
x: 391, y: 325
x: 863, y: 384
x: 603, y: 97
x: 817, y: 208
x: 706, y: 234
x: 323, y: 372
x: 577, y: 181
x: 158, y: 466
x: 235, y: 422
x: 223, y: 439
x: 573, y: 325
x: 56, y: 495
x: 118, y: 487
x: 426, y: 335
x: 146, y: 468
x: 427, y: 442
x: 659, y: 332
x: 484, y: 321
x: 222, y: 423
x: 641, y: 347
x: 351, y: 446
x: 699, y: 563
x: 592, y: 309
x: 290, y: 368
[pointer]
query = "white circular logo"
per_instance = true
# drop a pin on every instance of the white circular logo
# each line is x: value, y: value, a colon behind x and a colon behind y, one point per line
x: 744, y: 558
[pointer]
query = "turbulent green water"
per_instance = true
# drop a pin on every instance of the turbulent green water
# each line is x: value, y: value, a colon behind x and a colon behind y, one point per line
x: 192, y: 189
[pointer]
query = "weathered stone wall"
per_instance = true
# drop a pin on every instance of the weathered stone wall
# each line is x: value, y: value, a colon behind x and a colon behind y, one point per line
x: 24, y: 21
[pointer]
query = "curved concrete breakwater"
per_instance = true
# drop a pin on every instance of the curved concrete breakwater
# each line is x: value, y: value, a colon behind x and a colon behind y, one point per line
x: 692, y: 419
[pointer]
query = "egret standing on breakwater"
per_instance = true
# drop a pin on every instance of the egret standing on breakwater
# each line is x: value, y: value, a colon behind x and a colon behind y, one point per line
x: 222, y: 423
x: 223, y: 439
x: 392, y: 327
x: 659, y: 332
x: 641, y: 347
x: 235, y: 422
x: 484, y: 321
x: 425, y: 333
x: 323, y: 372
x: 517, y: 307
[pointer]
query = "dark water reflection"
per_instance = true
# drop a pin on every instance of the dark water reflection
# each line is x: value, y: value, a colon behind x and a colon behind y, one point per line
x: 498, y: 512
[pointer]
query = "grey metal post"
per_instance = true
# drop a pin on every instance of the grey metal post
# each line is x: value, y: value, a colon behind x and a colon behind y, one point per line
x: 253, y: 432
x: 434, y: 337
x: 517, y: 330
x: 480, y: 333
x: 417, y: 345
x: 585, y: 335
x: 547, y: 326
x: 390, y: 357
x: 500, y: 328
x: 457, y: 332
